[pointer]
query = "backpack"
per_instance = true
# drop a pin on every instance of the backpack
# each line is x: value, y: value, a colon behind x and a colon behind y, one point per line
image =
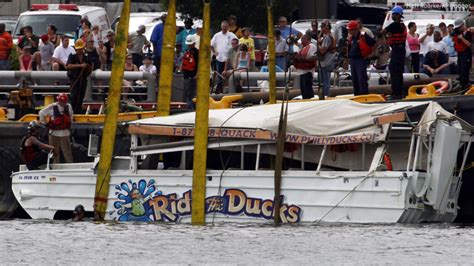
x: 188, y: 62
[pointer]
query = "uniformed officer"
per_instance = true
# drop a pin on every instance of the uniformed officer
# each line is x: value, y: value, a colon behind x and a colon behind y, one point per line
x: 396, y: 38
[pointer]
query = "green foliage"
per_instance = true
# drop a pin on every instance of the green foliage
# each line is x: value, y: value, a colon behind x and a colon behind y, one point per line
x: 467, y: 2
x: 250, y: 13
x: 14, y: 63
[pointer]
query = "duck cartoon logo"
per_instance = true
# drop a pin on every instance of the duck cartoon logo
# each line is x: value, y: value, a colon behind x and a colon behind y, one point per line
x: 133, y: 197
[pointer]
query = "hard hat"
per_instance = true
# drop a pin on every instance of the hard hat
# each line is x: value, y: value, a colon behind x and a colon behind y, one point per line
x: 190, y: 39
x: 33, y: 125
x: 458, y: 23
x: 62, y: 97
x: 79, y: 44
x: 79, y: 209
x: 397, y: 10
x: 352, y: 25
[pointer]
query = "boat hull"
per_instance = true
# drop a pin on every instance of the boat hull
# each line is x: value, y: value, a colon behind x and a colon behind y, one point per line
x: 239, y: 196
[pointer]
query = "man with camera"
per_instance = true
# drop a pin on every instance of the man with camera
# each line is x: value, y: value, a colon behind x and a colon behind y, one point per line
x: 462, y: 39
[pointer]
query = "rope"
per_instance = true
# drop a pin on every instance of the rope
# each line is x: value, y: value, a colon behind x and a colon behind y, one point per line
x: 337, y: 205
x: 221, y: 157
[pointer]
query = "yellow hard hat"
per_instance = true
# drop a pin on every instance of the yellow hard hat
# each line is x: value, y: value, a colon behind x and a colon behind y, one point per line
x: 79, y: 44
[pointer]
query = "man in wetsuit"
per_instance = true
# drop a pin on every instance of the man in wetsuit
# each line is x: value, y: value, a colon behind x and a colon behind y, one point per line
x: 396, y: 38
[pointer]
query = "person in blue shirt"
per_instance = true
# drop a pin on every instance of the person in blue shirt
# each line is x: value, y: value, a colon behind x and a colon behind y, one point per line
x: 182, y: 35
x: 448, y: 40
x: 157, y: 40
x: 287, y: 31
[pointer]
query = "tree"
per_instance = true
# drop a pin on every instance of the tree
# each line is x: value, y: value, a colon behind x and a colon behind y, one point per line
x: 250, y: 13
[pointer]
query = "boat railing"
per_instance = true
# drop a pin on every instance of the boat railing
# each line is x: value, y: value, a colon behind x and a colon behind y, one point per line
x: 304, y: 158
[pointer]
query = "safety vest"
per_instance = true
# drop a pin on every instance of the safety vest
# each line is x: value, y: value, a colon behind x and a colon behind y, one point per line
x: 29, y: 153
x: 365, y: 49
x: 398, y: 38
x: 60, y: 121
x: 305, y: 64
x: 459, y: 45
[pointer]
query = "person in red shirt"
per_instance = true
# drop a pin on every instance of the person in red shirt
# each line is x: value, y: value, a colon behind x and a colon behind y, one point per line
x: 6, y: 45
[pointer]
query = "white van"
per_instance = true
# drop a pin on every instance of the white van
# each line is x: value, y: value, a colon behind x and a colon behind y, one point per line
x: 66, y: 18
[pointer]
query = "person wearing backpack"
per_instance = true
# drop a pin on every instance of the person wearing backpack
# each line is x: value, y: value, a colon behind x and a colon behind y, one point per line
x: 326, y: 54
x: 360, y: 48
x: 189, y: 67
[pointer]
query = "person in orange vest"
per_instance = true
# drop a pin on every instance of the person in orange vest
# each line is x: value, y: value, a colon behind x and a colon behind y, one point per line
x: 32, y: 148
x: 462, y: 39
x: 305, y: 62
x: 61, y: 116
x: 360, y: 48
x: 397, y: 37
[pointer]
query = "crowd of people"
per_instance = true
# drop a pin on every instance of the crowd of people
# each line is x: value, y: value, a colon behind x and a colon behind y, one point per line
x: 397, y: 49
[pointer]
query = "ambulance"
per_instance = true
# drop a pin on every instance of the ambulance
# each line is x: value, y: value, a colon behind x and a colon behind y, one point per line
x: 66, y: 18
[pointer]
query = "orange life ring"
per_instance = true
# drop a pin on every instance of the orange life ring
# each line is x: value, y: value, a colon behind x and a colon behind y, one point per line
x: 441, y: 86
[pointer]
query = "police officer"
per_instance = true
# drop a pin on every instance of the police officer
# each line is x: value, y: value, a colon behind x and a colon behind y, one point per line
x: 360, y: 47
x: 396, y: 38
x: 462, y: 40
x: 32, y: 148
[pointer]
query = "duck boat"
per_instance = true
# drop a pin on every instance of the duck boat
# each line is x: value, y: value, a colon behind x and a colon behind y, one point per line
x: 343, y: 162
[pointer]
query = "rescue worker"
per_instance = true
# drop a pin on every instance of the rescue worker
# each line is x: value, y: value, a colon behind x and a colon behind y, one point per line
x: 396, y: 38
x: 61, y: 116
x: 79, y: 67
x: 79, y: 213
x: 462, y: 39
x: 32, y: 148
x: 360, y: 47
x: 305, y: 62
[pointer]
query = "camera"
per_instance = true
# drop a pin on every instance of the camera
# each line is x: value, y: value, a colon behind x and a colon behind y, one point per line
x: 291, y: 40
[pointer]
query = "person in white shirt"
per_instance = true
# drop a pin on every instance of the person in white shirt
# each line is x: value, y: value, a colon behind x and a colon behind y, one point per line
x: 438, y: 44
x: 46, y: 49
x: 60, y: 116
x: 425, y: 39
x: 305, y: 63
x: 147, y: 67
x: 61, y: 54
x: 220, y: 45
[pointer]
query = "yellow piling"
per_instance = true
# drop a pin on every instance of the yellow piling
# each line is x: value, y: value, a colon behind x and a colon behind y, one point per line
x: 167, y: 61
x: 271, y: 55
x: 110, y: 125
x: 198, y: 214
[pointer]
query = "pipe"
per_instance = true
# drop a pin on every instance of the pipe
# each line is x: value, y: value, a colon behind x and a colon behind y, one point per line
x: 271, y: 54
x: 198, y: 212
x: 110, y: 125
x: 167, y: 61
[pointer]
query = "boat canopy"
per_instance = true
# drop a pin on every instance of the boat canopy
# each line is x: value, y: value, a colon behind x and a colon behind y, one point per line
x: 313, y: 122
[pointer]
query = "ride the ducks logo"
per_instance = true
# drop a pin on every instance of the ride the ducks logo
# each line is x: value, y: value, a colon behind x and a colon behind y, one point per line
x: 143, y: 202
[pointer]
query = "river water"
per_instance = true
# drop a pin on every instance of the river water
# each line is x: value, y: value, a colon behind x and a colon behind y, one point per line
x: 65, y: 242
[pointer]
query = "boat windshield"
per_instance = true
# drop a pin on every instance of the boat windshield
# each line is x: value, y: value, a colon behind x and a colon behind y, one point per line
x: 66, y: 24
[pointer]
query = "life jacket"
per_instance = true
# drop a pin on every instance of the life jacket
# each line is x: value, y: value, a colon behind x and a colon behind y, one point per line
x: 365, y: 49
x: 188, y: 61
x: 459, y: 45
x: 398, y: 38
x: 304, y: 64
x: 332, y: 48
x: 29, y: 153
x: 60, y: 121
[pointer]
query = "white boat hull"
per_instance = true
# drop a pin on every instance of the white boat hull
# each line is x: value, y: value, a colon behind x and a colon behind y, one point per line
x: 240, y: 196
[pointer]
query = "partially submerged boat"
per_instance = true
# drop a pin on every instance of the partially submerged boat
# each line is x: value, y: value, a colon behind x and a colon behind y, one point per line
x: 343, y: 162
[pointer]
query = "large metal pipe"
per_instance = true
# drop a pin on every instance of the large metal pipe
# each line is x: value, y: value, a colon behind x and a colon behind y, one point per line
x: 257, y: 97
x: 96, y: 75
